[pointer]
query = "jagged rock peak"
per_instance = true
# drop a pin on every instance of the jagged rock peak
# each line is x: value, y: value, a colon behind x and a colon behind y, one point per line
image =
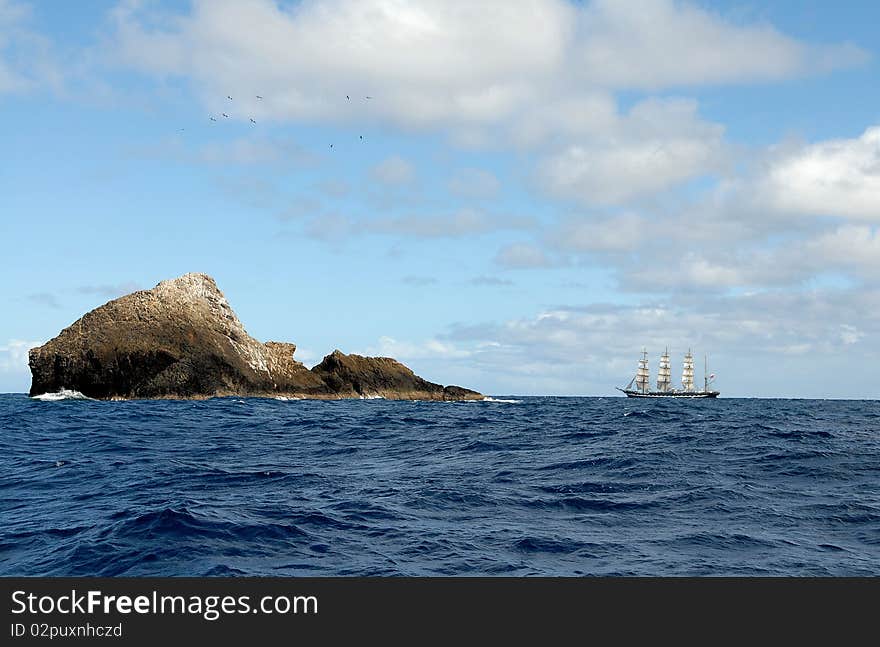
x: 182, y: 339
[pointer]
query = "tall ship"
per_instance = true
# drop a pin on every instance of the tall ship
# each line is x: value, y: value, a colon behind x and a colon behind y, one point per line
x: 639, y: 386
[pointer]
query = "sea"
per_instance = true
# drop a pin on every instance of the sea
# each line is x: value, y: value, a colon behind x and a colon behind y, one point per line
x: 509, y: 486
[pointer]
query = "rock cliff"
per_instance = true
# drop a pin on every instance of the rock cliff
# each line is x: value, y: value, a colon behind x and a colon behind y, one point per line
x: 355, y: 376
x: 182, y: 340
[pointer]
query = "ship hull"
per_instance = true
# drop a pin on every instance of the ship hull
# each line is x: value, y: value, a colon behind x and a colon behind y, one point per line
x: 690, y: 395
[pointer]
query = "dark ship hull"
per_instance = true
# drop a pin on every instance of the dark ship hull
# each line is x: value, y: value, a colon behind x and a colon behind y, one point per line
x: 631, y: 393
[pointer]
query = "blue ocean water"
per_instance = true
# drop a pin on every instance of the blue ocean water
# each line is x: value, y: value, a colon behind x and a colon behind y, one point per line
x: 530, y: 486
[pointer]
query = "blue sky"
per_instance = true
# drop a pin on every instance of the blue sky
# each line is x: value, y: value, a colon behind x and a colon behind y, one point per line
x: 542, y: 188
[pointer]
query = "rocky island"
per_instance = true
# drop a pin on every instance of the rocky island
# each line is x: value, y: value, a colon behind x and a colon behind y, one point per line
x: 182, y: 340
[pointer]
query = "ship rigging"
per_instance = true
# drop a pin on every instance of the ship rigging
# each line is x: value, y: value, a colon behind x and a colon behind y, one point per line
x: 639, y: 386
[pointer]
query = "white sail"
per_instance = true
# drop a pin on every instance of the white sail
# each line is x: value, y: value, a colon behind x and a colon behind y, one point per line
x: 642, y: 375
x: 687, y: 372
x: 664, y: 375
x: 639, y: 386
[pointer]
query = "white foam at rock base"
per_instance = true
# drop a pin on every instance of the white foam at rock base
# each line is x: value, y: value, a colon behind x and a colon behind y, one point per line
x: 62, y: 394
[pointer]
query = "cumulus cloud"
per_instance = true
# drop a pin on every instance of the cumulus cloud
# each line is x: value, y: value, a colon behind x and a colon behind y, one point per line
x: 619, y: 233
x: 657, y: 145
x: 431, y: 62
x: 848, y: 247
x: 838, y: 177
x: 591, y: 349
x: 422, y: 62
x: 540, y: 74
x: 660, y: 43
x: 767, y: 343
x: 792, y: 213
x: 655, y: 256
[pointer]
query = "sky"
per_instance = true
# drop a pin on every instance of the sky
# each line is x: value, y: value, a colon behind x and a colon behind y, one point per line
x: 516, y: 197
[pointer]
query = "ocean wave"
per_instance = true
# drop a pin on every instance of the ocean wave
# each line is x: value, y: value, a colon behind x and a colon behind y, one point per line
x: 62, y: 394
x: 502, y: 400
x: 553, y: 486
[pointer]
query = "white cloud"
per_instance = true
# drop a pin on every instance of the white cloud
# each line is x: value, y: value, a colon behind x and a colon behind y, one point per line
x: 659, y: 144
x: 307, y: 356
x: 455, y: 64
x: 850, y: 334
x: 14, y: 355
x: 403, y: 350
x: 394, y: 171
x: 141, y: 42
x: 536, y: 73
x: 852, y: 247
x: 750, y: 340
x: 590, y: 112
x: 837, y: 177
x: 621, y: 233
x: 653, y: 44
x: 691, y: 271
x: 764, y: 224
x: 663, y: 261
x: 26, y: 59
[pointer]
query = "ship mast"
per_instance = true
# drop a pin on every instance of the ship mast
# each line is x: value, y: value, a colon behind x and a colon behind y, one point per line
x: 705, y: 373
x: 663, y: 373
x: 642, y: 373
x: 687, y: 372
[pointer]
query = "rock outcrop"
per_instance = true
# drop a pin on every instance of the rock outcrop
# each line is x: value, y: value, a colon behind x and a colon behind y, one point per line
x: 357, y: 376
x: 182, y: 340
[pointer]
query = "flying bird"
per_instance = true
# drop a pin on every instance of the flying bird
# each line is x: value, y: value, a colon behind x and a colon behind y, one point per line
x: 259, y: 97
x: 348, y: 97
x: 225, y: 115
x: 362, y: 138
x: 252, y: 120
x: 331, y: 145
x: 228, y: 97
x: 213, y: 118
